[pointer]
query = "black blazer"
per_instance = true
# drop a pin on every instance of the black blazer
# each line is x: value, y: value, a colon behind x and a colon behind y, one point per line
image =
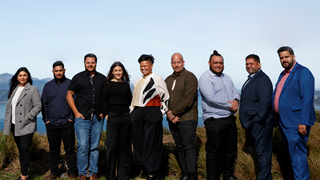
x: 255, y: 101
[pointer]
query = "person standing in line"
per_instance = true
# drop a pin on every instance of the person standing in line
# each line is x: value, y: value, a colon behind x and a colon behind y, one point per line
x: 59, y: 120
x: 220, y: 101
x: 294, y: 110
x: 116, y: 100
x: 149, y: 104
x: 22, y: 108
x: 256, y: 115
x: 87, y: 85
x: 183, y: 114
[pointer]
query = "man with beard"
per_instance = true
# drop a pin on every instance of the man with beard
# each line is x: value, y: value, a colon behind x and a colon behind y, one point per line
x: 58, y: 117
x: 87, y: 85
x: 183, y: 114
x: 293, y: 106
x: 220, y: 100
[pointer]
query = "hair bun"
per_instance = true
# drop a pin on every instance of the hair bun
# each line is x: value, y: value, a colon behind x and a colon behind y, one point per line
x: 215, y: 52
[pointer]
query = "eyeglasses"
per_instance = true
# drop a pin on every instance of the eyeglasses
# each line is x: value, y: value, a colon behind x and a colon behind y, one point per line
x: 176, y: 62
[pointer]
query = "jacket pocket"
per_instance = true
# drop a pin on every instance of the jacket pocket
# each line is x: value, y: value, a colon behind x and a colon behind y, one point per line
x: 296, y: 108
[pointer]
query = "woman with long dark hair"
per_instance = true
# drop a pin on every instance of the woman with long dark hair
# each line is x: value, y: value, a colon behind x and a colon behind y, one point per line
x: 22, y: 108
x: 115, y: 107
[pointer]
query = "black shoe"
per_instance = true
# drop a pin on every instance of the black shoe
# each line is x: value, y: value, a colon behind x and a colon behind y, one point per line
x: 183, y: 177
x: 151, y: 178
x: 230, y: 178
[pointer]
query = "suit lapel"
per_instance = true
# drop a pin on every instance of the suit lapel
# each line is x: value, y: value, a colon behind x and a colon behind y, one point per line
x: 251, y: 80
x: 24, y: 92
x: 289, y: 77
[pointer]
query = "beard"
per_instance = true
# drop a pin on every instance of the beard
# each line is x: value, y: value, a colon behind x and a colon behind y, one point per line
x: 60, y: 79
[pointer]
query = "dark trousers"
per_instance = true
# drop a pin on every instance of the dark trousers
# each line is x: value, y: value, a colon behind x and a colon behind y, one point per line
x: 221, y: 141
x: 146, y: 128
x: 263, y: 136
x: 118, y: 144
x: 184, y: 134
x: 23, y: 143
x: 65, y: 133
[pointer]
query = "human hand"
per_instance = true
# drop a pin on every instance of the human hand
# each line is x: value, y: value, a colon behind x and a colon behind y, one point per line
x: 234, y: 105
x: 47, y: 122
x: 70, y: 120
x: 78, y: 115
x: 107, y: 117
x: 302, y: 129
x: 175, y: 120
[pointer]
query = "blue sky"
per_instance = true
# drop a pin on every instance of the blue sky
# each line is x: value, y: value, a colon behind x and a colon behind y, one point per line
x: 37, y: 33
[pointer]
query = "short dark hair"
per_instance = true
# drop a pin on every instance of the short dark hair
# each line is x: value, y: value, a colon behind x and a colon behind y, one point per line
x: 146, y: 57
x: 253, y: 56
x: 91, y: 55
x: 285, y: 48
x: 215, y: 53
x: 57, y: 63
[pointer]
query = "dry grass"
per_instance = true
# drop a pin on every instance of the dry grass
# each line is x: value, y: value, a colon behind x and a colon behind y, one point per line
x: 245, y: 167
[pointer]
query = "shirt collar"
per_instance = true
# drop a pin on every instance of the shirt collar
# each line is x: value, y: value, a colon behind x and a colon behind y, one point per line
x: 88, y: 73
x: 285, y: 71
x: 214, y: 74
x: 174, y: 74
x: 252, y: 75
x: 61, y: 80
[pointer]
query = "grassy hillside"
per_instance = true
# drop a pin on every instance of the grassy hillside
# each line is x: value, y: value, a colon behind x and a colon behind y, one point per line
x: 245, y: 168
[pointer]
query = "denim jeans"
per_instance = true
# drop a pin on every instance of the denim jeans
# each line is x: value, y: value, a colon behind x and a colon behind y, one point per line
x: 88, y: 135
x: 184, y: 134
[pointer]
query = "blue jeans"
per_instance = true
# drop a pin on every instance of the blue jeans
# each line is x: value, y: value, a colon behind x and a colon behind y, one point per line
x: 88, y: 135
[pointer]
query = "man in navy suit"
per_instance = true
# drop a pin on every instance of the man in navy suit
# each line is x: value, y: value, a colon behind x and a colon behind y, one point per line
x: 293, y: 106
x: 256, y: 113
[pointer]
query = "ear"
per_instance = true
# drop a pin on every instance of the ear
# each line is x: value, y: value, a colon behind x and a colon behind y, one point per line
x: 53, y: 71
x: 209, y: 63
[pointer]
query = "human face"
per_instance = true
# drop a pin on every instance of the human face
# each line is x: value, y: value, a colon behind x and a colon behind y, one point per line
x: 117, y: 73
x: 287, y: 60
x: 90, y: 64
x: 58, y: 72
x: 252, y: 66
x: 23, y: 78
x: 216, y: 64
x: 177, y: 63
x: 146, y: 67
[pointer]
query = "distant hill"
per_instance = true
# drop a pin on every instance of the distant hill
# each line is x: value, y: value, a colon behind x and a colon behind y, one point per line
x: 4, y: 85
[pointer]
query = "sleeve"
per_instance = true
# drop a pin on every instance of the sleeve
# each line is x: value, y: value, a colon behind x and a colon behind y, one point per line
x: 306, y: 83
x: 45, y: 103
x: 235, y: 93
x: 211, y: 96
x: 36, y: 102
x: 73, y: 84
x: 264, y: 95
x: 105, y: 95
x: 164, y: 95
x: 189, y: 95
x: 129, y: 95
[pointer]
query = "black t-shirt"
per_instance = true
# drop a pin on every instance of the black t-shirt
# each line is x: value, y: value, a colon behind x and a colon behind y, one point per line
x: 88, y: 92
